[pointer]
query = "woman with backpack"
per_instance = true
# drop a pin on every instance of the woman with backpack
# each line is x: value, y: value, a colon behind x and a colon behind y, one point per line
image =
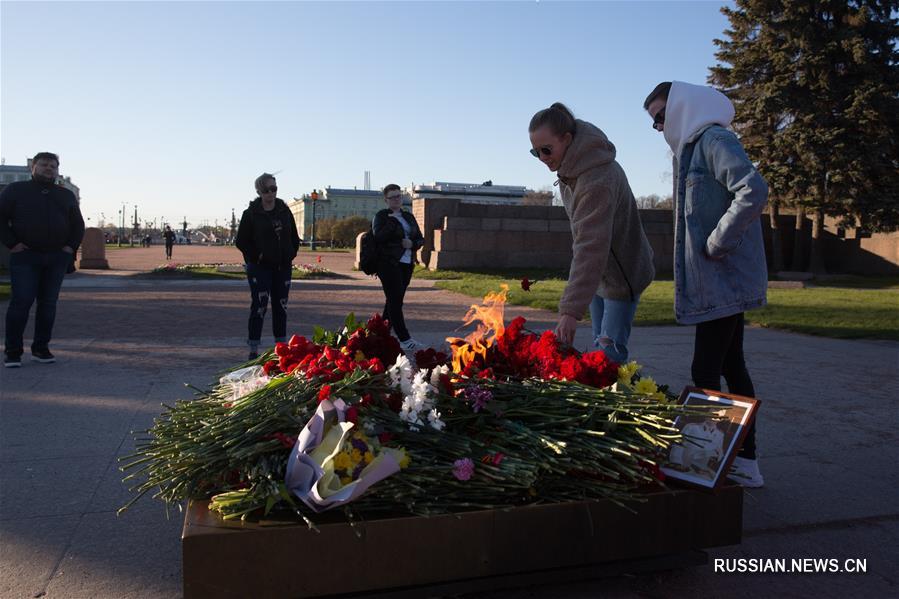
x: 267, y: 237
x: 397, y: 237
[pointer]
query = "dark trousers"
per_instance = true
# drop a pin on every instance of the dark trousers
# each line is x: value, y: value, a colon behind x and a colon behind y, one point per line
x: 395, y: 277
x: 168, y: 251
x: 718, y: 351
x: 268, y: 282
x: 34, y: 275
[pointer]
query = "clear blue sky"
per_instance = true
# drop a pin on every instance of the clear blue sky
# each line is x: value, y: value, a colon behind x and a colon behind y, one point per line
x: 177, y: 107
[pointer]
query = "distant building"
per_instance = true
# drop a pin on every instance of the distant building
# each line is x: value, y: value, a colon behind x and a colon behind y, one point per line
x: 338, y: 204
x: 472, y: 193
x: 11, y: 173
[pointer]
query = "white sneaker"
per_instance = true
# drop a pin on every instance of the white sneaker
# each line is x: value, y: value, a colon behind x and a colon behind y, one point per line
x: 411, y: 345
x: 746, y: 473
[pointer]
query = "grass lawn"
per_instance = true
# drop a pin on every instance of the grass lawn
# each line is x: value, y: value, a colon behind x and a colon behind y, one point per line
x: 4, y: 291
x: 848, y: 307
x: 211, y: 272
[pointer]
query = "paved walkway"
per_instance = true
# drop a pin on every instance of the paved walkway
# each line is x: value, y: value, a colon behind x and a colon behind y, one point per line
x: 828, y: 435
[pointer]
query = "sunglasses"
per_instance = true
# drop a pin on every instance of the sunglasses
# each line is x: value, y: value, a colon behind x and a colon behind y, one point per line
x: 659, y: 119
x: 545, y: 150
x: 270, y: 189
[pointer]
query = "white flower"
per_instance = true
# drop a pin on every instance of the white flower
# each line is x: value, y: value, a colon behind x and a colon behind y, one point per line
x: 420, y: 387
x: 401, y: 374
x: 436, y: 373
x: 435, y: 421
x: 409, y: 405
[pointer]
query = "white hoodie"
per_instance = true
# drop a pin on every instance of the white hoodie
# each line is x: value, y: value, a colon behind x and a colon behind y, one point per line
x: 690, y: 109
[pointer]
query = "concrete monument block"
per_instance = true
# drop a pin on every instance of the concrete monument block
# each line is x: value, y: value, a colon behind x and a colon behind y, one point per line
x: 93, y: 250
x: 525, y: 224
x: 560, y: 226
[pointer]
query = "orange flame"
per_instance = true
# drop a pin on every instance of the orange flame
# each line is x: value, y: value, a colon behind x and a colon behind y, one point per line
x: 490, y: 326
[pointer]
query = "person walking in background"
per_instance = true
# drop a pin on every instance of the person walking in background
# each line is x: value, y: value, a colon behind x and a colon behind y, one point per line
x: 41, y: 224
x: 612, y: 259
x: 720, y: 269
x: 267, y: 237
x: 397, y: 237
x: 168, y: 237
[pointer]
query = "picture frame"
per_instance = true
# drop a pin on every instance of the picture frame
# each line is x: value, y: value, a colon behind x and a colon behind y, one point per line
x: 712, y: 440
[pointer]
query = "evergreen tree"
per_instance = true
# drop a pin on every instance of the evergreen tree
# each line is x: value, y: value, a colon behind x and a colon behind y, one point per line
x: 817, y: 97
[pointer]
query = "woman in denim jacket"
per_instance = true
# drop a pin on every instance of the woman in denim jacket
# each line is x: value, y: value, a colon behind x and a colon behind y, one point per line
x: 719, y: 255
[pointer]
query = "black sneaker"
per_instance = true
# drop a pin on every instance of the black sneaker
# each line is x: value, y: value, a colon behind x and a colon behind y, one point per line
x: 43, y: 356
x: 12, y: 359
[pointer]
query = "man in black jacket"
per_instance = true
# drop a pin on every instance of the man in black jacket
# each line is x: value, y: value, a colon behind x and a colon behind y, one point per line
x: 398, y: 237
x: 41, y: 224
x: 267, y: 237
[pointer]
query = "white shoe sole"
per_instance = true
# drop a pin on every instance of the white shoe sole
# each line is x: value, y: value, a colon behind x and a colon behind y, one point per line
x: 747, y: 482
x: 12, y: 364
x: 43, y: 360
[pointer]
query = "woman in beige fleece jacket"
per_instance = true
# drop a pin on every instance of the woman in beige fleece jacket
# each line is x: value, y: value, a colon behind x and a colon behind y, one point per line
x: 612, y: 259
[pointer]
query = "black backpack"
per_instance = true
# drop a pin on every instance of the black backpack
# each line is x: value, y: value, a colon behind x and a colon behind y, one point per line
x: 368, y: 253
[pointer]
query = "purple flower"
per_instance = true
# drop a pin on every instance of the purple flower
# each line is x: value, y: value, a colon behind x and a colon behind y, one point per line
x: 478, y: 397
x: 463, y: 469
x: 360, y: 445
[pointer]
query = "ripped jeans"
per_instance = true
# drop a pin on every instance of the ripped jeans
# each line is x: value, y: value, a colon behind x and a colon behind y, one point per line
x: 268, y: 283
x: 612, y: 320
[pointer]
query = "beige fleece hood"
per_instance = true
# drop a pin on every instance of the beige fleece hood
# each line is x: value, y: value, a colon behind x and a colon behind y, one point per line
x: 590, y: 148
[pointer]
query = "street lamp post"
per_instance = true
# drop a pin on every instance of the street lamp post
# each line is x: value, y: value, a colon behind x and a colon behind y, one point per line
x: 314, y: 197
x: 121, y: 224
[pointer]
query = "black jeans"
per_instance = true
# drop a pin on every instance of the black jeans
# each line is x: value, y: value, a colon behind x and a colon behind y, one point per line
x: 395, y: 277
x: 34, y: 275
x: 268, y: 282
x: 168, y: 251
x: 718, y: 351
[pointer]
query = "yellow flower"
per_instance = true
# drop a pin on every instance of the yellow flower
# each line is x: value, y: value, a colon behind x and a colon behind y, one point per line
x: 646, y: 386
x: 369, y: 456
x: 659, y: 396
x: 345, y: 480
x: 359, y: 356
x: 342, y: 461
x: 404, y: 461
x: 356, y: 456
x: 627, y: 371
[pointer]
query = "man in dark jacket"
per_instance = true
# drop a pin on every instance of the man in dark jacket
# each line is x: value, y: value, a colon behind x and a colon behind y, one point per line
x: 398, y: 237
x: 168, y: 237
x: 267, y: 237
x: 41, y: 224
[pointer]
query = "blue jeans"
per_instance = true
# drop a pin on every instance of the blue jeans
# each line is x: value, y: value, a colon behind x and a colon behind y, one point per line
x: 612, y: 320
x: 268, y: 282
x: 34, y: 275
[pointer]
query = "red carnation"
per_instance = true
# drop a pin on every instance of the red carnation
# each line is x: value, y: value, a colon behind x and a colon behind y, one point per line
x: 271, y: 367
x: 526, y: 284
x: 324, y: 393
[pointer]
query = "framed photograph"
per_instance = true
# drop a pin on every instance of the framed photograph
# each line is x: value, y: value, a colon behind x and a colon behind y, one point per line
x: 711, y: 439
